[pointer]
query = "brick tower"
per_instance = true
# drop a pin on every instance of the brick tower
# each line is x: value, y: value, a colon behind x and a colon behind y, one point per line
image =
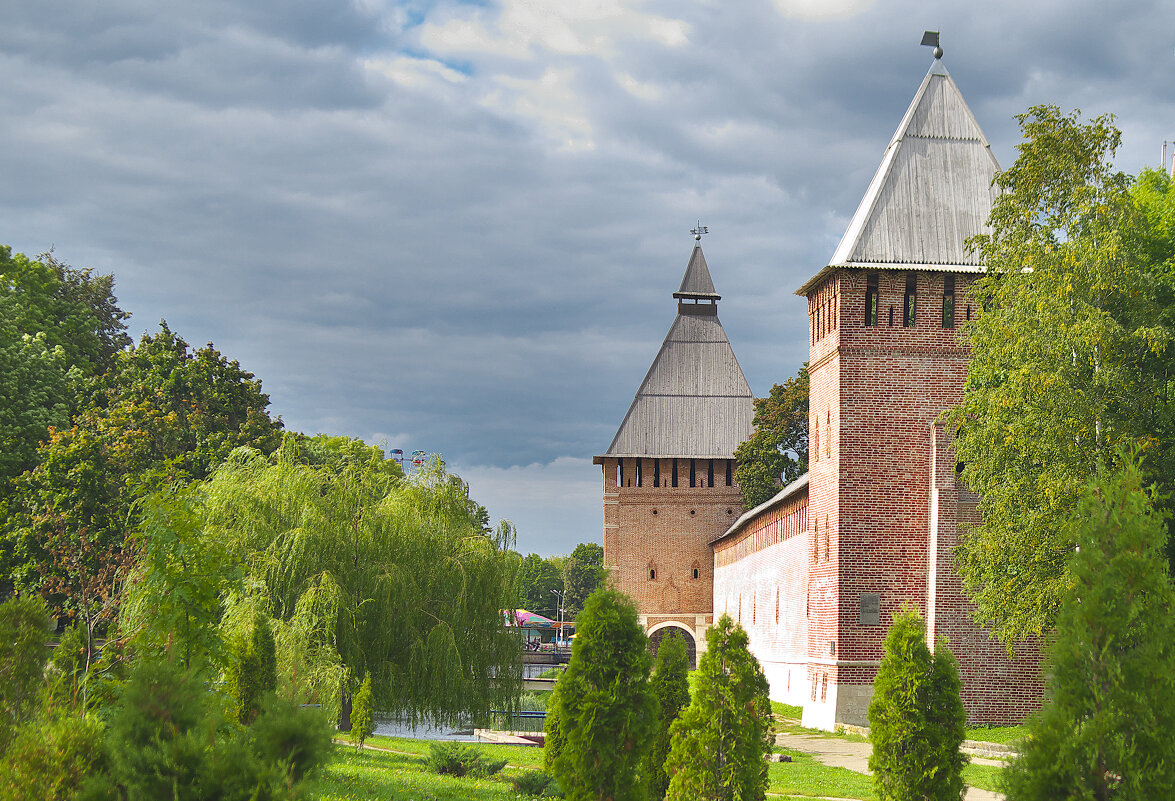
x: 669, y: 473
x: 885, y: 361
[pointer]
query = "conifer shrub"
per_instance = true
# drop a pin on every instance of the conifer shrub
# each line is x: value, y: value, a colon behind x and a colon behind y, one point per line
x: 252, y: 669
x: 670, y: 686
x: 362, y: 714
x: 1106, y: 731
x: 49, y: 758
x: 916, y: 719
x: 721, y: 741
x: 168, y: 737
x: 604, y: 715
x: 538, y: 783
x: 450, y: 758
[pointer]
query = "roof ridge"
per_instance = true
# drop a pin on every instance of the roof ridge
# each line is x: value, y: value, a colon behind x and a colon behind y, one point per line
x: 932, y: 189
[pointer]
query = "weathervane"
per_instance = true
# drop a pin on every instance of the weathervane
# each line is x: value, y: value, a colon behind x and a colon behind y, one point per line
x: 930, y: 39
x: 699, y: 231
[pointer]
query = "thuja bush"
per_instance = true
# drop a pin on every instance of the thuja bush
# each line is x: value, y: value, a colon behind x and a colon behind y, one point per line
x: 721, y: 740
x: 170, y: 737
x: 670, y: 686
x: 252, y: 669
x: 1106, y: 732
x: 50, y: 757
x: 602, y: 713
x: 916, y: 719
x: 362, y: 714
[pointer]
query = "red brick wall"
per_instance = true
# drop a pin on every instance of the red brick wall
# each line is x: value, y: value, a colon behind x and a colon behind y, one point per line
x: 667, y: 529
x: 876, y: 391
x: 997, y: 689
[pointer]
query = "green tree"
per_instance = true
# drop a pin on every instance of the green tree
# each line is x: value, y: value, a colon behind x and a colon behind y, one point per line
x: 252, y: 669
x: 1069, y: 359
x: 722, y: 739
x: 34, y: 397
x: 1105, y: 733
x: 24, y: 647
x: 670, y: 686
x: 58, y: 326
x: 776, y: 453
x: 161, y: 414
x: 362, y: 714
x: 605, y: 711
x: 173, y: 602
x: 537, y: 579
x: 365, y: 572
x: 75, y: 309
x: 582, y: 574
x: 916, y: 718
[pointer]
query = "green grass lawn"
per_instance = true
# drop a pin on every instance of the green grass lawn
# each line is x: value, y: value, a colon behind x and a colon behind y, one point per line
x: 399, y: 777
x: 787, y: 710
x: 374, y: 776
x: 521, y: 756
x: 1006, y: 735
x: 805, y: 777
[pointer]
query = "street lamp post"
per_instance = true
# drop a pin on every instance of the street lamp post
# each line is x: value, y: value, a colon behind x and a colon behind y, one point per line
x: 559, y: 637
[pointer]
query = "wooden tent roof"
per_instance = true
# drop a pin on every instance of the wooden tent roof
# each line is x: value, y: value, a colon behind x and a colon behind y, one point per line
x: 695, y: 402
x: 932, y: 191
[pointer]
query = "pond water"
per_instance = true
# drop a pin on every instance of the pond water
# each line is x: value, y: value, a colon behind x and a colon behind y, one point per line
x: 424, y: 731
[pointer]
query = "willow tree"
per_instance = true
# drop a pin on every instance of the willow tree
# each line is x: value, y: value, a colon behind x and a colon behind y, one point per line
x: 365, y: 572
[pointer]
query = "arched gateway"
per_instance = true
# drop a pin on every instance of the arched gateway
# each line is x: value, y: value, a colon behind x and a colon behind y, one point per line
x: 657, y: 636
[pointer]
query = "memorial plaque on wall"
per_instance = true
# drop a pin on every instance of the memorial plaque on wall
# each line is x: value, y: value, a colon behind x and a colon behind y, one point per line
x: 870, y: 608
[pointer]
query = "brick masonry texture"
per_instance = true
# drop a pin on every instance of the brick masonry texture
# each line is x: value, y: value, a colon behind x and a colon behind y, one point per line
x: 879, y: 518
x: 656, y: 537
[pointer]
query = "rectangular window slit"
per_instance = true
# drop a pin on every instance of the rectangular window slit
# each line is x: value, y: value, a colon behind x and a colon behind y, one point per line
x: 911, y: 309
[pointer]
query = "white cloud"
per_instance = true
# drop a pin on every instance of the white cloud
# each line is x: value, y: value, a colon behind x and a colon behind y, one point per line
x: 523, y: 29
x: 822, y: 9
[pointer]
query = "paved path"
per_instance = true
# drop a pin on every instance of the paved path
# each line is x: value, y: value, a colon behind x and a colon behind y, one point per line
x: 838, y: 753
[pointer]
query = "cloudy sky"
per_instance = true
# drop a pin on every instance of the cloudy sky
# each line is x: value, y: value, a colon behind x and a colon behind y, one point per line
x: 457, y: 227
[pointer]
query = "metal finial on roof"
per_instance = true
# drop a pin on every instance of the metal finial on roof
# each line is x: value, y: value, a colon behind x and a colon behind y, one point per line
x: 930, y: 39
x: 699, y: 231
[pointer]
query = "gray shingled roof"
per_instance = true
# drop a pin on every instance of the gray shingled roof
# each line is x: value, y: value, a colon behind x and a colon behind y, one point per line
x: 695, y: 402
x: 932, y: 191
x: 696, y: 283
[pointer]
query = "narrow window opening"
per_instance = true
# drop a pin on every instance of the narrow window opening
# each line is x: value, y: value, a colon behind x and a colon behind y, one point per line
x: 891, y: 316
x: 656, y: 472
x: 674, y: 476
x: 620, y: 468
x: 968, y: 312
x: 652, y: 574
x: 911, y: 309
x: 693, y: 477
x: 710, y: 474
x: 871, y: 299
x: 695, y: 572
x: 948, y: 301
x: 729, y: 473
x: 639, y: 471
